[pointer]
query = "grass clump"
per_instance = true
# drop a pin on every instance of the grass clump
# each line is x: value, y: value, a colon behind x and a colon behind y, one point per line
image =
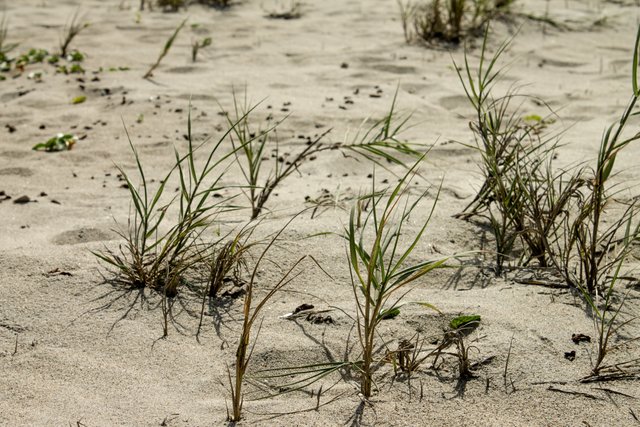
x: 520, y: 198
x: 568, y: 220
x: 158, y: 253
x: 558, y: 216
x: 447, y: 21
x: 595, y: 246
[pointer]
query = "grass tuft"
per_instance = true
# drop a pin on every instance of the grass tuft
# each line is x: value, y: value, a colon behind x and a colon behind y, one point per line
x: 74, y: 27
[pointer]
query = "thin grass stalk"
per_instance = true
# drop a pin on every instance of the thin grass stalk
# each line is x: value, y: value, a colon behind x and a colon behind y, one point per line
x: 71, y: 30
x: 165, y: 50
x: 250, y: 315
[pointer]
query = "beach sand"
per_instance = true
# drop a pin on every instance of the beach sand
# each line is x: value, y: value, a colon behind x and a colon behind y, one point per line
x: 74, y: 350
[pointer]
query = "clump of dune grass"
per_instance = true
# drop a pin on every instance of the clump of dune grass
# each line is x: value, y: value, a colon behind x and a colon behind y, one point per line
x: 157, y: 251
x: 557, y: 215
x: 521, y: 198
x: 569, y: 220
x: 447, y: 21
x: 595, y: 241
x: 74, y: 27
x: 165, y: 50
x: 377, y: 141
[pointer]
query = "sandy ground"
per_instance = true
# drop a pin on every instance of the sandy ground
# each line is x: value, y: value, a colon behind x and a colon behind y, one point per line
x: 73, y: 353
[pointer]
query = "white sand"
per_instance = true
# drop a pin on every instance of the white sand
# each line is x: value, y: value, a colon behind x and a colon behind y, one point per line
x: 80, y: 362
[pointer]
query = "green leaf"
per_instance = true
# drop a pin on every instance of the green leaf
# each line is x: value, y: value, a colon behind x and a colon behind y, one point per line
x: 389, y: 313
x: 465, y: 320
x: 79, y: 99
x: 533, y: 118
x: 60, y: 142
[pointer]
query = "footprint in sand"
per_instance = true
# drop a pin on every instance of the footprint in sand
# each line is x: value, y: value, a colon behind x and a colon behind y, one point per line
x: 394, y: 69
x: 453, y: 102
x: 182, y: 70
x: 17, y: 171
x: 82, y: 235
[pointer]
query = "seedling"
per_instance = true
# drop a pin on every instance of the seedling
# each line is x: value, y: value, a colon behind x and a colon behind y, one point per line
x: 379, y: 268
x: 197, y: 45
x: 71, y: 30
x: 165, y: 50
x: 251, y: 313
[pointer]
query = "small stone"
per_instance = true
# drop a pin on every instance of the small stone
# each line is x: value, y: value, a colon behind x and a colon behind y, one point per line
x: 22, y: 200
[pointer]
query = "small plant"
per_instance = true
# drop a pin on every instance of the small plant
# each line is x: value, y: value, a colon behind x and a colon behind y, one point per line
x: 32, y: 56
x: 251, y: 313
x: 605, y: 314
x: 379, y: 267
x: 380, y: 141
x: 460, y: 328
x: 165, y: 50
x: 448, y: 21
x: 71, y: 30
x: 197, y: 45
x: 60, y: 142
x: 75, y: 56
x: 5, y: 47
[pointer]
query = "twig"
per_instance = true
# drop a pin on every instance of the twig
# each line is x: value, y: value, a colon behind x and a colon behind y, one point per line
x: 575, y: 393
x: 506, y: 364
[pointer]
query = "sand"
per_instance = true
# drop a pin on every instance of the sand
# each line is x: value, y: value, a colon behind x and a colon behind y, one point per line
x: 73, y: 353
